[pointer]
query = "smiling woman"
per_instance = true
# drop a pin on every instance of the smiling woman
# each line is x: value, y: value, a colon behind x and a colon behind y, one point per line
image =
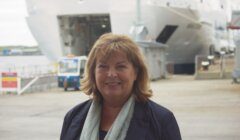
x: 117, y: 77
x: 13, y: 26
x: 122, y: 54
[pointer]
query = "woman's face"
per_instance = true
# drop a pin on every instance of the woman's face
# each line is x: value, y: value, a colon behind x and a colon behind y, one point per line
x: 115, y: 77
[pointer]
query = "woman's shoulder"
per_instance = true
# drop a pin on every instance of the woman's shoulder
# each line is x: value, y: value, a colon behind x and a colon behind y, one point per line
x: 158, y: 108
x: 74, y: 116
x: 79, y: 108
x: 161, y: 119
x: 160, y: 112
x: 166, y: 119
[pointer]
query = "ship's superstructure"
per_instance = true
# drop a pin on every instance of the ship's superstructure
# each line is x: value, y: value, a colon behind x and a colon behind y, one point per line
x: 186, y: 26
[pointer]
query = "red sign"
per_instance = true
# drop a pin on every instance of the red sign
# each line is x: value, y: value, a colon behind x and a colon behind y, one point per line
x: 9, y: 80
x: 235, y: 21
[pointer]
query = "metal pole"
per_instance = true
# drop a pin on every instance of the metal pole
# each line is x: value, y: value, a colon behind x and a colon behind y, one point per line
x: 138, y: 13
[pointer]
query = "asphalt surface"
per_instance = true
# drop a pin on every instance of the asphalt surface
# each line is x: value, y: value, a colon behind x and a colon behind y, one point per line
x: 204, y: 109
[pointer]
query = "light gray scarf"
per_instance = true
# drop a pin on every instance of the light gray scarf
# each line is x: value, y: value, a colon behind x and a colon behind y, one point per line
x: 119, y: 128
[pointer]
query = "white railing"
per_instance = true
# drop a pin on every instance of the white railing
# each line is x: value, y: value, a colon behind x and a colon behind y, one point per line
x: 217, y: 67
x: 31, y: 78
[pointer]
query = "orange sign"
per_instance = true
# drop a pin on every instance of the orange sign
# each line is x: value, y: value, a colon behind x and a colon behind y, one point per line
x: 9, y: 80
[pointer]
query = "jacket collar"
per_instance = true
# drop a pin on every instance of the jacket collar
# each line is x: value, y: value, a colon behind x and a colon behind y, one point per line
x: 78, y: 122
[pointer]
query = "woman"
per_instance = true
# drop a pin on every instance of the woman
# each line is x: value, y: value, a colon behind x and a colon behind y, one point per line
x: 117, y: 78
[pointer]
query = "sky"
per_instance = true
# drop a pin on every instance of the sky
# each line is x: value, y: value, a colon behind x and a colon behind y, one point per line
x: 13, y: 27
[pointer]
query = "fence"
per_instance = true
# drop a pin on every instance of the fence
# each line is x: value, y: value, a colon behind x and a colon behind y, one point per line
x: 214, y: 67
x: 43, y: 77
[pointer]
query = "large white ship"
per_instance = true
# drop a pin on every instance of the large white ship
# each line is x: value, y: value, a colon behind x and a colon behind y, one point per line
x: 72, y: 26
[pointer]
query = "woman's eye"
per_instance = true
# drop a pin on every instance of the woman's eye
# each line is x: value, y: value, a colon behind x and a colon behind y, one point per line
x: 121, y: 66
x: 102, y: 66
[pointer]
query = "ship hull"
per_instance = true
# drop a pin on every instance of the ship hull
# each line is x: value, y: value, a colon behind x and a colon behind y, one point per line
x: 46, y: 20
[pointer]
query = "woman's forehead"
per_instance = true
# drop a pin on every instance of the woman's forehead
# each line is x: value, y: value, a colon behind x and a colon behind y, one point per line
x: 122, y: 56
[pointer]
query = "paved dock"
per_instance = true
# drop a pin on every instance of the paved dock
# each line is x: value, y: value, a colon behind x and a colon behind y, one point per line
x: 205, y: 110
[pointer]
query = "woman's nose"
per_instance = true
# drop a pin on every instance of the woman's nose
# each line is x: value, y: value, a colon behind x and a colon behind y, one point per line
x: 112, y: 72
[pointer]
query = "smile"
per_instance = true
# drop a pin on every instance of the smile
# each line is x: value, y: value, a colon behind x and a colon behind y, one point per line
x: 112, y: 83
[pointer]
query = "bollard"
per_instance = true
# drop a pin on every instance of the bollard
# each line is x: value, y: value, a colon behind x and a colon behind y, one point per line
x: 205, y: 65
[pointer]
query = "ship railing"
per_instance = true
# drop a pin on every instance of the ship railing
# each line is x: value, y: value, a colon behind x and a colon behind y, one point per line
x: 33, y: 78
x: 214, y: 67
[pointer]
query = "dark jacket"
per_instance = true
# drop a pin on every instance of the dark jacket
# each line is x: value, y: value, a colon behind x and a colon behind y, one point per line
x: 150, y: 121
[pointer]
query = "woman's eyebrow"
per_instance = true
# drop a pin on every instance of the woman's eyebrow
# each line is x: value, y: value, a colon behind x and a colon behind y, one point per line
x: 122, y: 62
x: 102, y: 62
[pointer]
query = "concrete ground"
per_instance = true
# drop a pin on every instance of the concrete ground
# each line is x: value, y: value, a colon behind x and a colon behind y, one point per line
x: 204, y: 109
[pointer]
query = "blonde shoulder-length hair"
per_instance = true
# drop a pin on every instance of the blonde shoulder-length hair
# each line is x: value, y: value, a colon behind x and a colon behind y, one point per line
x: 106, y: 45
